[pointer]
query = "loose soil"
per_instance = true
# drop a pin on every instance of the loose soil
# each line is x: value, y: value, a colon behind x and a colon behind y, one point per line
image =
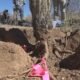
x: 14, y: 59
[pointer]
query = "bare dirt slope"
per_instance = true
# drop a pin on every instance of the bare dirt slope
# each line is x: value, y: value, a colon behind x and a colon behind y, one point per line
x: 13, y: 59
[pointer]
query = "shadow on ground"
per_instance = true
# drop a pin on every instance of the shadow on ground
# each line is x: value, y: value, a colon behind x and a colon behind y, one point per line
x: 15, y: 36
x: 72, y: 62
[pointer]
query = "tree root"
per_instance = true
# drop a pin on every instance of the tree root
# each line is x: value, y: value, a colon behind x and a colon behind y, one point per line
x: 58, y: 51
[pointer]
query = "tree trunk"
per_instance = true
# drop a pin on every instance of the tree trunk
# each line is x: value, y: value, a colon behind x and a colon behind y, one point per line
x: 41, y: 19
x: 41, y: 22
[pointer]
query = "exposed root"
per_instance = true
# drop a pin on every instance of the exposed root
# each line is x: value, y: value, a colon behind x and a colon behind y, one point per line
x: 58, y: 51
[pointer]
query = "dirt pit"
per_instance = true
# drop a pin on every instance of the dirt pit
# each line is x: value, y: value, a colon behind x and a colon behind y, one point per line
x: 64, y: 64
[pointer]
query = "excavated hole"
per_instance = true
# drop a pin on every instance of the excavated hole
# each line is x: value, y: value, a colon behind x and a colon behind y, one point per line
x: 15, y: 36
x: 72, y: 62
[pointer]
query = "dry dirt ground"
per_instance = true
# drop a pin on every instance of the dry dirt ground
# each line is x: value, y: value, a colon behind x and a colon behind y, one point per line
x: 64, y: 53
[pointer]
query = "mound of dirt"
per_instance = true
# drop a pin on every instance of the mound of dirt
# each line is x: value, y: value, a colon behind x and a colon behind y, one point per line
x: 13, y: 59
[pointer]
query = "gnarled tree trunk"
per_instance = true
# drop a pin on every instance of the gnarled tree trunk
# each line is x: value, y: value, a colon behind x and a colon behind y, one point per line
x: 41, y: 21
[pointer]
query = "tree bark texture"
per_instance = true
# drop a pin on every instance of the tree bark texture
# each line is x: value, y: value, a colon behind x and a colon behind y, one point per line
x: 41, y: 19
